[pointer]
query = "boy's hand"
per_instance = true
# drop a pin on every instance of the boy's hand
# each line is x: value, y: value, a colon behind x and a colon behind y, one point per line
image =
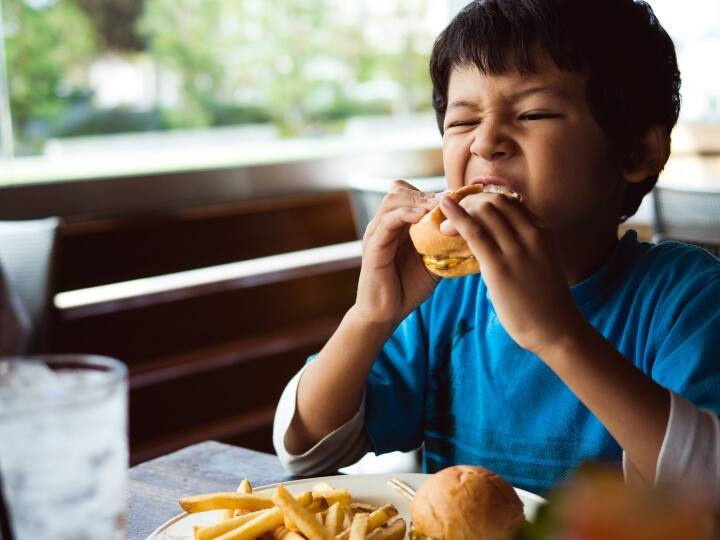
x: 393, y: 279
x: 520, y: 263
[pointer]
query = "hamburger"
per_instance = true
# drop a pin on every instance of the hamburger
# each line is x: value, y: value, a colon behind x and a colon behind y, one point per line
x: 449, y: 256
x: 465, y: 502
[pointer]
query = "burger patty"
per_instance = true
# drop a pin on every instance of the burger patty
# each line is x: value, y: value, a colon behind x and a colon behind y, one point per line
x: 442, y: 263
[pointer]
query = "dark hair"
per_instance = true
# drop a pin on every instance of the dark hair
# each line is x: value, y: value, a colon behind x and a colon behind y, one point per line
x: 634, y: 81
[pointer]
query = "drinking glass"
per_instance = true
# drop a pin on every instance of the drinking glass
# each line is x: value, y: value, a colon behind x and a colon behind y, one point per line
x: 63, y: 446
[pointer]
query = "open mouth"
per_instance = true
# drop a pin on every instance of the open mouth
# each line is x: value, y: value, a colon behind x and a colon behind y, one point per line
x: 503, y: 190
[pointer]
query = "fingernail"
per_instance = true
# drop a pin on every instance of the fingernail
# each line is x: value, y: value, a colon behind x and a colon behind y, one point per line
x: 418, y: 210
x: 447, y: 228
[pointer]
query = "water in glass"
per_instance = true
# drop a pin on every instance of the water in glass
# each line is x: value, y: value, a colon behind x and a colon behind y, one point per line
x: 63, y: 446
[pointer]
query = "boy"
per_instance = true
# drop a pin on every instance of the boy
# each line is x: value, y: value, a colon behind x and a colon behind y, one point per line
x: 566, y: 345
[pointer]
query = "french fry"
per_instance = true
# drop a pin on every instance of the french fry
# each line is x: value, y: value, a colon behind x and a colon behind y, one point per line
x: 381, y: 516
x: 362, y: 507
x: 376, y: 519
x: 335, y: 518
x: 359, y: 527
x: 263, y: 523
x: 213, y: 531
x: 337, y: 495
x: 323, y: 486
x: 244, y: 487
x: 225, y: 500
x: 325, y: 513
x: 394, y: 531
x: 318, y: 504
x: 282, y: 533
x: 347, y: 521
x: 303, y: 519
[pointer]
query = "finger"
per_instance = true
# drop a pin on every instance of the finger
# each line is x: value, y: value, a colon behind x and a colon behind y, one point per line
x: 409, y: 197
x: 492, y: 212
x: 517, y: 213
x: 481, y: 243
x: 398, y: 198
x: 392, y: 224
x: 448, y: 228
x: 400, y: 183
x: 468, y: 203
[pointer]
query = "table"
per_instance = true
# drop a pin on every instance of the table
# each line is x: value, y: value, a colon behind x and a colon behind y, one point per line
x: 155, y: 486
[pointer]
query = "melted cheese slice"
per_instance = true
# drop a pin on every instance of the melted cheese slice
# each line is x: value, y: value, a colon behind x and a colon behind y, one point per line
x: 442, y: 263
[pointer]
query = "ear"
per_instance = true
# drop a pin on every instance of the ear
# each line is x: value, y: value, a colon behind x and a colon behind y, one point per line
x: 649, y: 155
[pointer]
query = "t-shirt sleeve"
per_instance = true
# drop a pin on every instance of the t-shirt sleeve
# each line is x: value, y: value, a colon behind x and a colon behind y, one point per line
x: 342, y: 447
x: 690, y: 453
x: 395, y: 389
x: 688, y: 364
x: 687, y: 359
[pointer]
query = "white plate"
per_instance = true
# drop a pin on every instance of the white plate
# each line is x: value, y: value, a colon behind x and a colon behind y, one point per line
x: 369, y: 488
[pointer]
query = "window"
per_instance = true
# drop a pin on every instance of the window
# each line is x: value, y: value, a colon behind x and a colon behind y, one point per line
x: 694, y: 26
x: 173, y: 83
x: 86, y: 77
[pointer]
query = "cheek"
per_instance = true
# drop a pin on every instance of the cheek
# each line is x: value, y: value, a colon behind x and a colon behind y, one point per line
x: 576, y: 181
x: 455, y: 156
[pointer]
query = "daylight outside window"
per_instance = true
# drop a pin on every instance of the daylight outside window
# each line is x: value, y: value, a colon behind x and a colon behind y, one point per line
x: 89, y: 76
x: 104, y: 80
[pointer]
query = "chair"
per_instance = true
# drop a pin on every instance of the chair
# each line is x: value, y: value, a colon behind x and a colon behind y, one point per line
x: 689, y: 216
x: 27, y: 251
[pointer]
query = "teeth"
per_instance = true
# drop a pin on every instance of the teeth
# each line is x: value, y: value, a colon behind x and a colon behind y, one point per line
x: 503, y: 190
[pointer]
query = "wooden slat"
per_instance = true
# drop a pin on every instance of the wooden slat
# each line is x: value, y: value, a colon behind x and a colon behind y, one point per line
x: 163, y: 330
x: 110, y: 251
x: 236, y: 352
x: 223, y: 429
x: 177, y: 408
x: 186, y: 285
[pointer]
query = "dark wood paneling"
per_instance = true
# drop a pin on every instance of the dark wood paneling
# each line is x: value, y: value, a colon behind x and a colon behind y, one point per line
x: 210, y: 365
x: 218, y: 404
x: 113, y: 250
x: 141, y: 335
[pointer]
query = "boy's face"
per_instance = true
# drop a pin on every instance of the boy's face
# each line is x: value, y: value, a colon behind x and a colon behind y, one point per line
x: 535, y: 134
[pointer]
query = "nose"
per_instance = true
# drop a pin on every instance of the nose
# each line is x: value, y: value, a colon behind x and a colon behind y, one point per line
x: 491, y: 142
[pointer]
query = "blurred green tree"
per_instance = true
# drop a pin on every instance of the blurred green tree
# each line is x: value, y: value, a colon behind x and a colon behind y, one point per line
x: 305, y: 65
x: 48, y: 46
x: 297, y: 59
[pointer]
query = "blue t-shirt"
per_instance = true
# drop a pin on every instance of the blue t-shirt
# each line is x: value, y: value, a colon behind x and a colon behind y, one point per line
x: 452, y: 379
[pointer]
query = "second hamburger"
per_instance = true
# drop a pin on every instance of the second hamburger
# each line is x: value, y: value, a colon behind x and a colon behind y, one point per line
x: 465, y: 502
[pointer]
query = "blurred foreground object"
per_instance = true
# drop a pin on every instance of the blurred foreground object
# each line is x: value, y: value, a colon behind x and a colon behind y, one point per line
x: 596, y: 504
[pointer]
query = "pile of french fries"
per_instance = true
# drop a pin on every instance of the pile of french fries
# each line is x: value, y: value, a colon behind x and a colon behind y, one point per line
x: 324, y: 513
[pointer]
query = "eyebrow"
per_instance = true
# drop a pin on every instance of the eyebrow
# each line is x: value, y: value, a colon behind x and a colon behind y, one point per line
x: 517, y: 96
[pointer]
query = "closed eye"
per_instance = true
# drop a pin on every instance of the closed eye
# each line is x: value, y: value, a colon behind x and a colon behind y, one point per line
x: 538, y: 116
x: 462, y: 123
